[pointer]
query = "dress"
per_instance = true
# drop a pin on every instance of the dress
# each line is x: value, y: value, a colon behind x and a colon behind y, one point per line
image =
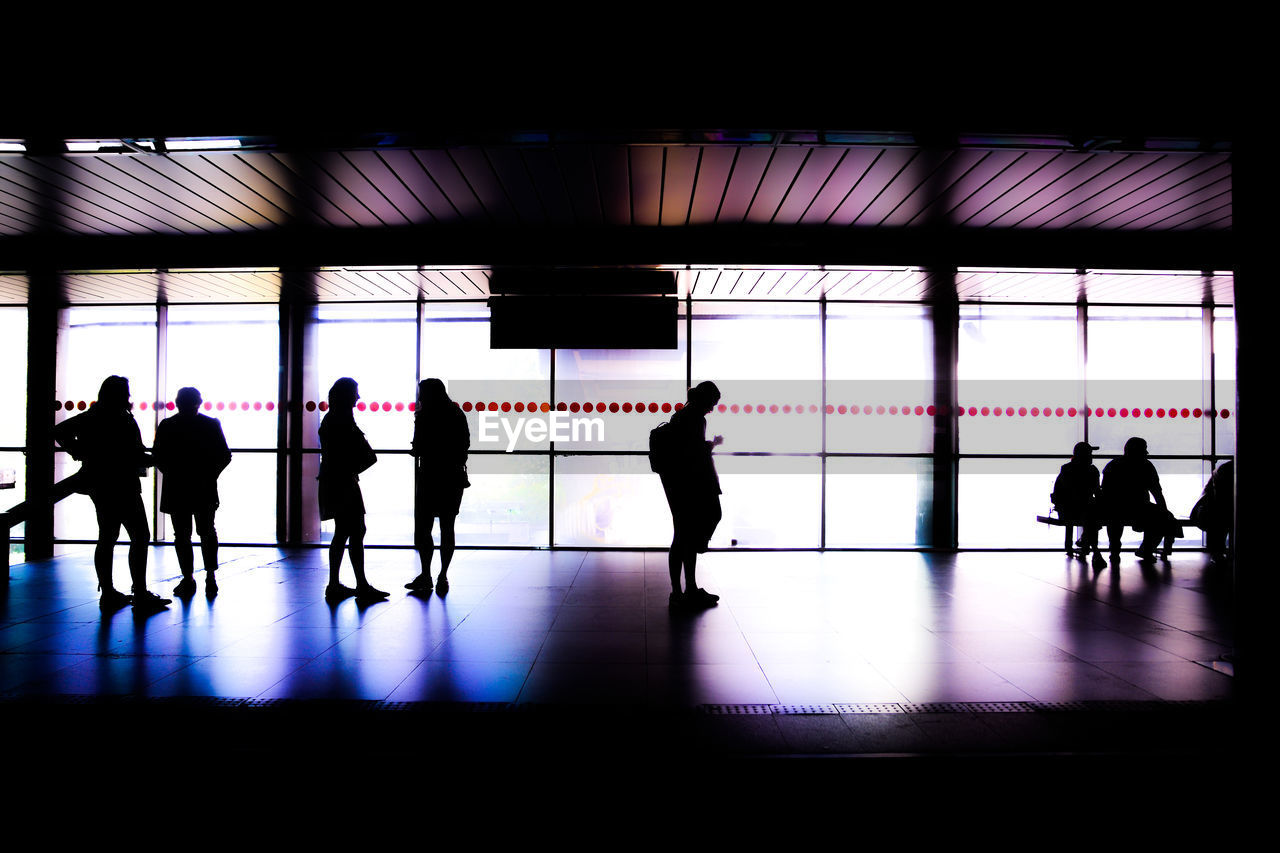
x: 344, y: 453
x: 440, y: 443
x: 690, y: 482
x: 190, y: 451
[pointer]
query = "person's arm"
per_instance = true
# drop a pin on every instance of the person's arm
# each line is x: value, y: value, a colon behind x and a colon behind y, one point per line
x: 222, y: 455
x: 1156, y: 491
x: 160, y: 448
x: 67, y: 435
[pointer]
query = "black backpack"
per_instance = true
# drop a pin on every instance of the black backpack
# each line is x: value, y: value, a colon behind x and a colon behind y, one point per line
x: 662, y: 449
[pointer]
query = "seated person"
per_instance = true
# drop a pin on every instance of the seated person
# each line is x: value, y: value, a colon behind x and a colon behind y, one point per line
x: 1214, y: 513
x: 1126, y: 484
x: 1076, y: 496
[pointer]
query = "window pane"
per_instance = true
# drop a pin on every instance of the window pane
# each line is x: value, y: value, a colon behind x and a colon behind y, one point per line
x: 1019, y: 379
x: 1224, y: 368
x: 611, y: 501
x: 13, y: 380
x: 387, y: 489
x: 231, y: 353
x: 94, y: 343
x: 247, y: 496
x: 13, y: 470
x: 877, y: 502
x: 879, y: 374
x: 1146, y: 375
x: 507, y: 503
x: 766, y: 360
x: 769, y: 502
x: 375, y: 345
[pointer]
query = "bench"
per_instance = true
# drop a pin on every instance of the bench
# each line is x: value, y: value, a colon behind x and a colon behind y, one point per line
x: 1072, y: 523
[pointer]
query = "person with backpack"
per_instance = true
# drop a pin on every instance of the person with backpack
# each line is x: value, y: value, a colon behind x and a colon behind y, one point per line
x: 681, y: 455
x: 1076, y: 495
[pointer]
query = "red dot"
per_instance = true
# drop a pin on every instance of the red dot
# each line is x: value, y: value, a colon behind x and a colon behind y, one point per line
x: 960, y: 411
x: 1146, y: 413
x: 506, y: 407
x: 1225, y: 413
x: 613, y: 407
x: 879, y: 410
x: 973, y: 410
x: 562, y: 407
x: 575, y: 407
x: 143, y: 405
x: 271, y: 406
x: 1186, y: 413
x: 82, y: 405
x: 680, y: 406
x: 786, y: 408
x: 653, y: 407
x: 1111, y: 413
x: 466, y: 406
x: 773, y: 409
x: 842, y: 409
x: 257, y: 406
x: 666, y: 407
x: 626, y: 407
x: 68, y: 405
x: 1213, y: 413
x: 1196, y: 412
x: 414, y: 406
x: 722, y: 407
x: 399, y: 407
x: 1159, y: 413
x: 545, y: 407
x: 985, y: 411
x: 324, y: 406
x: 493, y: 405
x: 919, y: 410
x: 361, y: 406
x: 57, y: 405
x: 733, y: 408
x: 311, y: 406
x: 1035, y: 411
x: 386, y: 406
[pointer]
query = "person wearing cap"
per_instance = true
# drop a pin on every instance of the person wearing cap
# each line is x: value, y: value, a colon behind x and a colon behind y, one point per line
x: 1076, y: 496
x: 1126, y: 484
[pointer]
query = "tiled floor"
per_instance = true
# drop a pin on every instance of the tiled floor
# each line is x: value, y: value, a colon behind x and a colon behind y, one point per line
x: 594, y: 627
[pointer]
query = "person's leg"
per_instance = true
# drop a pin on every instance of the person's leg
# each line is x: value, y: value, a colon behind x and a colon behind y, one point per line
x: 1114, y: 532
x: 208, y: 540
x: 422, y: 531
x: 107, y: 511
x: 135, y: 524
x: 336, y: 547
x: 446, y: 542
x: 181, y: 522
x: 364, y: 590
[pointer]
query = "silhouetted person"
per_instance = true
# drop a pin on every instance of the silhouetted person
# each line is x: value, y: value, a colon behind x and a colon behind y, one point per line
x: 440, y: 443
x: 191, y: 451
x: 693, y: 492
x: 108, y: 445
x: 1215, y: 512
x: 344, y: 453
x: 1076, y: 495
x: 1126, y: 484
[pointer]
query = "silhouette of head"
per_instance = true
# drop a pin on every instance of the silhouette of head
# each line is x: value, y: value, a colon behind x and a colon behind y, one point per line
x: 188, y: 400
x: 704, y: 395
x: 114, y: 394
x: 1083, y: 451
x: 1136, y: 448
x: 432, y: 394
x: 344, y: 394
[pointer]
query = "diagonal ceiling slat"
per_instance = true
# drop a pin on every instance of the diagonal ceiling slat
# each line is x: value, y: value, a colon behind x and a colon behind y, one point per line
x: 678, y: 182
x: 812, y: 178
x: 713, y: 177
x: 646, y: 165
x: 393, y: 202
x: 287, y: 174
x: 173, y: 177
x: 744, y: 182
x: 549, y: 183
x: 1080, y: 168
x: 241, y: 177
x: 508, y: 165
x: 782, y: 172
x: 577, y: 167
x: 888, y: 164
x: 474, y: 167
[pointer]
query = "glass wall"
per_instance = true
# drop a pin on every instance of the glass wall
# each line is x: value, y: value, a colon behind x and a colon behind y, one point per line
x: 13, y: 411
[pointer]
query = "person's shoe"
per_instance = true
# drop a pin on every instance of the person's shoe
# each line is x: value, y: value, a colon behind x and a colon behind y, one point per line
x: 442, y: 585
x: 701, y: 598
x: 146, y: 600
x: 368, y: 593
x: 1098, y: 561
x: 337, y: 592
x: 676, y: 600
x: 210, y: 586
x: 422, y: 583
x: 1145, y: 556
x: 185, y: 587
x: 114, y: 599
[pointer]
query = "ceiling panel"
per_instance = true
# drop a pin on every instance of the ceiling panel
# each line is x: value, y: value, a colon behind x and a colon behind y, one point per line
x: 680, y: 175
x: 13, y: 289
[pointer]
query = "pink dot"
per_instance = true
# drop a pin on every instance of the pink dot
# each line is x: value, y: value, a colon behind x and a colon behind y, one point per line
x: 613, y: 407
x: 893, y: 410
x: 813, y: 408
x: 985, y: 411
x: 257, y: 406
x: 1225, y: 413
x: 311, y: 406
x: 723, y: 408
x: 361, y: 406
x: 653, y: 407
x: 786, y: 409
x: 1111, y: 413
x: 973, y: 410
x: 879, y: 410
x: 1159, y: 413
x: 960, y: 412
x: 1022, y: 412
x: 932, y: 410
x: 466, y: 406
x: 506, y: 407
x: 919, y: 410
x: 1058, y: 412
x: 271, y: 406
x: 773, y: 409
x: 143, y: 405
x: 666, y: 407
x: 399, y: 407
x: 386, y: 406
x: 733, y: 408
x: 842, y: 409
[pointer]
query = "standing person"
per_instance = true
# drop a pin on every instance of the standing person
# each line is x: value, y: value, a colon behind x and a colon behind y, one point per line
x: 1126, y: 483
x: 1076, y: 494
x: 440, y: 443
x: 191, y: 451
x: 683, y: 461
x: 108, y: 445
x: 344, y: 453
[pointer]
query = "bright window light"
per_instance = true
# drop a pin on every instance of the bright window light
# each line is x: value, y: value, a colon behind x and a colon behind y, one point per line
x: 201, y: 144
x: 6, y: 145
